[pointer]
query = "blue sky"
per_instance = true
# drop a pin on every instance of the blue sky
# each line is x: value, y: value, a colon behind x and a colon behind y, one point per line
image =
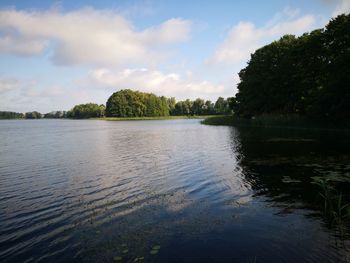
x: 55, y: 54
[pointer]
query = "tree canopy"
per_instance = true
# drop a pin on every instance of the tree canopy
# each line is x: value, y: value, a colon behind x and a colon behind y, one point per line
x: 129, y: 103
x: 11, y: 115
x: 88, y: 110
x: 33, y: 115
x: 55, y: 115
x: 307, y: 75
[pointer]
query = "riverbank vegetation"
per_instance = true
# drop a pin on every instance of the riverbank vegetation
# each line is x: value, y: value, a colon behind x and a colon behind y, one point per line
x: 33, y: 115
x: 128, y: 103
x: 85, y: 111
x: 278, y: 121
x: 154, y: 118
x: 6, y: 115
x: 136, y: 105
x: 299, y: 82
x: 305, y: 76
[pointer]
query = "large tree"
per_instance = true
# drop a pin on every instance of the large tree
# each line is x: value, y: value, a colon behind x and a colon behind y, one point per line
x: 308, y: 75
x: 88, y: 110
x: 129, y: 103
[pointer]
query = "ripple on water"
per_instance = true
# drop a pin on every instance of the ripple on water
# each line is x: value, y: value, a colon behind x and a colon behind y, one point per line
x: 80, y: 189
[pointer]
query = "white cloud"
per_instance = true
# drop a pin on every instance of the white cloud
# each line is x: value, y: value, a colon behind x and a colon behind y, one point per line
x: 171, y: 84
x: 342, y: 7
x: 87, y: 36
x: 244, y: 38
x: 8, y: 84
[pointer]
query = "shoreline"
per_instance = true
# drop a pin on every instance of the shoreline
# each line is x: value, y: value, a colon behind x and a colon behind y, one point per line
x: 283, y: 122
x: 126, y: 118
x: 152, y: 118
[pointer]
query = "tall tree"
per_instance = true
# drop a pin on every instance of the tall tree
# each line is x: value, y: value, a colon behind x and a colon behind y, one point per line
x: 308, y: 75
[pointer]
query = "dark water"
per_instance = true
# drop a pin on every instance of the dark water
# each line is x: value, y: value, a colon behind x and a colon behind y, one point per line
x: 99, y: 191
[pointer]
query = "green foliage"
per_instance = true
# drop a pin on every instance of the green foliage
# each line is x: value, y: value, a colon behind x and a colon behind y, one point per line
x: 135, y: 104
x: 84, y: 111
x: 154, y: 118
x: 308, y: 75
x: 201, y: 107
x: 226, y: 120
x: 335, y: 206
x: 10, y: 115
x: 128, y: 103
x: 221, y: 106
x: 55, y: 115
x: 171, y: 105
x: 33, y: 115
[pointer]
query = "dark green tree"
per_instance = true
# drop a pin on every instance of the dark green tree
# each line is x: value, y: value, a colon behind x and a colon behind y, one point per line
x: 85, y: 111
x: 10, y: 115
x: 198, y: 107
x: 128, y: 103
x: 171, y: 105
x: 308, y: 75
x: 221, y: 106
x: 33, y: 115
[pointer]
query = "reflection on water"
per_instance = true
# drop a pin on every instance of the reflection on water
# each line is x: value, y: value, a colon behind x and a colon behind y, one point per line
x: 98, y: 191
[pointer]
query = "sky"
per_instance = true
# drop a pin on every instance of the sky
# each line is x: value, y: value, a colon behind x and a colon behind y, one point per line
x: 56, y: 54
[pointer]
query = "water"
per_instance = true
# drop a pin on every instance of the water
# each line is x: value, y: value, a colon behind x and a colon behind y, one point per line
x: 91, y: 191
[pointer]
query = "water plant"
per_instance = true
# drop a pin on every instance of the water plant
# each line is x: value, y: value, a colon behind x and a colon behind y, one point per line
x: 155, y: 250
x: 117, y: 258
x: 139, y: 258
x: 336, y: 208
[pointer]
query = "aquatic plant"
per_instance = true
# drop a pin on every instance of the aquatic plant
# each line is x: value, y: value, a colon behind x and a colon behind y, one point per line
x: 117, y: 258
x: 335, y: 207
x: 155, y: 250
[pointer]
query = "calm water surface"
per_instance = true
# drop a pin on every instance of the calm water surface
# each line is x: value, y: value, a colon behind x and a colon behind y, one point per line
x: 99, y: 191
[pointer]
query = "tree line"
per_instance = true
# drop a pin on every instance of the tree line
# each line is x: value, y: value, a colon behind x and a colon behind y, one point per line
x: 10, y: 115
x: 307, y: 75
x: 129, y: 103
x: 32, y: 115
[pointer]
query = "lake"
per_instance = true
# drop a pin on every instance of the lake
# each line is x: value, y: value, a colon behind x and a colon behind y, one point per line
x: 167, y: 191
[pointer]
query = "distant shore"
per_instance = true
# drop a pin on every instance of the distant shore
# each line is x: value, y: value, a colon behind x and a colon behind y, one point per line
x: 127, y: 118
x: 153, y: 118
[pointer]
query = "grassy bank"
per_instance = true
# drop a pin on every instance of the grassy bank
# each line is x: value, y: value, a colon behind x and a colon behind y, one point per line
x: 277, y: 121
x: 226, y: 120
x: 151, y: 118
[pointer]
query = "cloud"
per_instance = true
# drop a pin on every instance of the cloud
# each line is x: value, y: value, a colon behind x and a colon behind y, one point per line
x: 87, y: 36
x: 171, y: 84
x: 342, y: 7
x: 244, y: 38
x: 8, y: 84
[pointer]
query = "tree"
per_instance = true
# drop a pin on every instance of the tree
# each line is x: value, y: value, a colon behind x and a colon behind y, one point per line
x: 308, y: 75
x: 179, y: 108
x: 221, y: 106
x: 33, y: 115
x: 334, y: 97
x: 88, y: 110
x: 187, y: 107
x: 171, y: 105
x: 10, y: 115
x: 198, y: 107
x: 128, y: 103
x: 55, y: 115
x: 208, y: 108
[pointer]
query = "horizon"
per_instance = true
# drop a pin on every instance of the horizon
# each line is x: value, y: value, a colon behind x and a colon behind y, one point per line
x: 58, y: 54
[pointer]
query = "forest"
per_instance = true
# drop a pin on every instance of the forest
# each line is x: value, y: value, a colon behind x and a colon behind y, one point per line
x: 10, y: 115
x: 305, y: 76
x: 129, y: 103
